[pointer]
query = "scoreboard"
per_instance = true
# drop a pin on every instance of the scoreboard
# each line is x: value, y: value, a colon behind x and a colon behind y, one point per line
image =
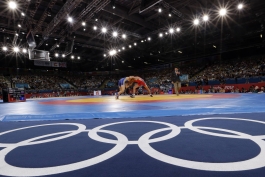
x: 14, y: 95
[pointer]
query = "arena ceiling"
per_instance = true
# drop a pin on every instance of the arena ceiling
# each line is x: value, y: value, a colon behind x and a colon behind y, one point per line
x: 139, y: 20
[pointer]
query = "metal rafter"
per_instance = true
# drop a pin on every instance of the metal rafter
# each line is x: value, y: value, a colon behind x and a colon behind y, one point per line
x: 44, y: 15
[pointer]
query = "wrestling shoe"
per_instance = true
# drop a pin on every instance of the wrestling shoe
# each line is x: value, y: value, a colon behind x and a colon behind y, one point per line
x: 132, y: 96
x: 116, y: 96
x: 151, y: 95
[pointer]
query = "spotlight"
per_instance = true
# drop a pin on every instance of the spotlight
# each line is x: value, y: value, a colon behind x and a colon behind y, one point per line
x: 149, y: 39
x: 135, y: 44
x: 56, y: 55
x: 104, y: 55
x: 83, y: 23
x: 178, y: 29
x: 16, y: 49
x: 123, y: 48
x: 104, y: 30
x: 160, y: 34
x: 130, y: 46
x: 84, y: 29
x: 159, y: 10
x: 4, y: 48
x: 115, y: 34
x: 240, y: 6
x: 113, y: 6
x: 19, y: 25
x: 95, y: 28
x: 24, y: 50
x: 12, y: 5
x: 124, y: 36
x: 196, y: 22
x: 46, y: 44
x: 96, y: 19
x: 222, y: 12
x: 78, y: 58
x: 171, y: 30
x: 169, y: 15
x: 72, y: 56
x: 16, y: 34
x: 112, y: 52
x: 63, y: 55
x: 119, y: 50
x: 57, y: 45
x: 142, y: 41
x: 205, y: 18
x: 166, y: 33
x: 70, y: 19
x: 22, y: 13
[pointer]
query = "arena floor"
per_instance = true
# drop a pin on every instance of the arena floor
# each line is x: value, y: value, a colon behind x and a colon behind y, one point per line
x: 164, y: 135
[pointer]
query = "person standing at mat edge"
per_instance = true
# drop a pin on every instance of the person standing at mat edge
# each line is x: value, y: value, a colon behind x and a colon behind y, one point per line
x: 175, y: 78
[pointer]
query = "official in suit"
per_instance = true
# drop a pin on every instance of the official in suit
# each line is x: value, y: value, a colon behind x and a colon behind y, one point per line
x: 175, y: 78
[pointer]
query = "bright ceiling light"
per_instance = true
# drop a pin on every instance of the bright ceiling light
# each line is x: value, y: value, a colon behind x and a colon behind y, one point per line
x: 16, y: 49
x: 135, y: 44
x: 169, y: 15
x: 95, y: 28
x: 240, y: 6
x: 104, y: 30
x: 104, y: 55
x: 166, y: 33
x: 123, y: 48
x: 78, y: 58
x: 205, y: 18
x: 149, y: 39
x: 119, y: 50
x: 56, y: 55
x: 63, y: 55
x: 130, y: 46
x: 159, y: 10
x: 178, y: 29
x: 70, y: 19
x: 142, y: 41
x: 171, y: 30
x: 4, y: 48
x: 160, y: 34
x: 19, y: 25
x: 22, y: 13
x: 24, y: 50
x: 112, y: 52
x: 72, y: 57
x: 12, y: 5
x: 115, y: 34
x: 222, y: 12
x: 83, y: 23
x: 124, y: 36
x: 57, y: 45
x: 196, y: 22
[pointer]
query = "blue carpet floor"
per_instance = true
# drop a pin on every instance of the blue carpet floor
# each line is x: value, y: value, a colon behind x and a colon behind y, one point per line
x: 230, y: 145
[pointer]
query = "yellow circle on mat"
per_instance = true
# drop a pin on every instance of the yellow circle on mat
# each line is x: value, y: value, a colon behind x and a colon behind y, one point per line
x: 138, y: 98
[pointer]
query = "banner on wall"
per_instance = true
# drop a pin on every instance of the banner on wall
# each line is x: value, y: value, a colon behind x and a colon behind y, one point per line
x: 54, y: 64
x: 97, y: 93
x: 184, y: 78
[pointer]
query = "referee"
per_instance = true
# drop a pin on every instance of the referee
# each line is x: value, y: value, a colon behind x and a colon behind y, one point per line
x: 175, y: 78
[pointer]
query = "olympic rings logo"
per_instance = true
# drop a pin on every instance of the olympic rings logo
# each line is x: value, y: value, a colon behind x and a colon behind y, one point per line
x: 143, y: 142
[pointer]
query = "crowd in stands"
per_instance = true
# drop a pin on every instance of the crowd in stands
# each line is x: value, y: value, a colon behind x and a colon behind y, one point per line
x: 85, y: 82
x: 235, y: 69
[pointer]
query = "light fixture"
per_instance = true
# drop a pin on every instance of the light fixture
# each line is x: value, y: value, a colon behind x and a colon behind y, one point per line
x: 56, y: 55
x: 72, y: 56
x: 142, y: 41
x: 22, y: 13
x: 171, y: 30
x: 160, y: 34
x: 19, y: 25
x: 84, y: 29
x: 12, y: 5
x: 83, y: 23
x: 166, y: 33
x: 196, y: 22
x: 70, y: 19
x: 130, y: 46
x: 112, y: 52
x: 222, y: 12
x: 115, y: 34
x: 16, y: 49
x: 149, y: 39
x: 104, y: 30
x: 24, y: 50
x: 46, y: 44
x: 159, y: 10
x: 104, y: 55
x: 63, y: 55
x: 135, y: 44
x: 179, y: 51
x: 119, y: 50
x: 178, y: 29
x: 78, y: 58
x: 4, y: 48
x: 123, y: 48
x: 240, y: 6
x: 205, y: 18
x: 96, y: 19
x: 16, y: 34
x: 169, y: 15
x: 95, y: 28
x: 124, y: 36
x: 57, y: 45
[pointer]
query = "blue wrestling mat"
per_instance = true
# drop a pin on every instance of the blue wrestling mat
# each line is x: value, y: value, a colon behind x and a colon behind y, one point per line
x: 227, y: 145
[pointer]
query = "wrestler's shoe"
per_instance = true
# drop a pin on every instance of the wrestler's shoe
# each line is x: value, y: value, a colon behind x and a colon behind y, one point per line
x: 116, y: 96
x: 132, y: 96
x: 151, y: 95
